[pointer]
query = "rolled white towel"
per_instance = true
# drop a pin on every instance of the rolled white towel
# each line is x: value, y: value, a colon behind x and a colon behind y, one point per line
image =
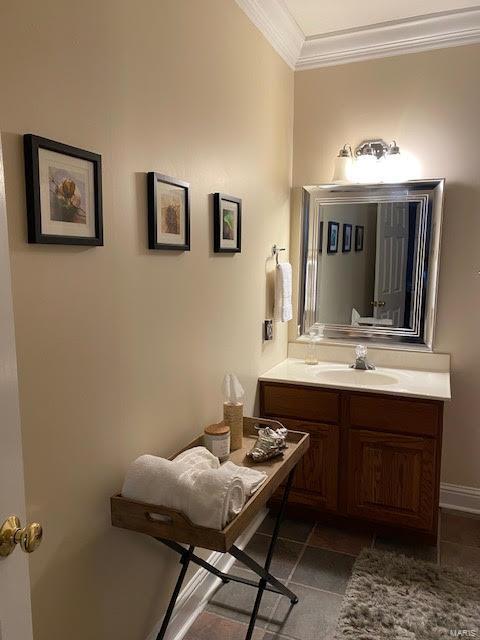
x: 252, y: 478
x: 193, y: 483
x: 152, y: 479
x: 198, y: 457
x: 213, y: 498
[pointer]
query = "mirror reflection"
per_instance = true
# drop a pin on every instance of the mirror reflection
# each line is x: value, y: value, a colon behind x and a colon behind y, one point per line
x: 368, y: 252
x: 370, y: 256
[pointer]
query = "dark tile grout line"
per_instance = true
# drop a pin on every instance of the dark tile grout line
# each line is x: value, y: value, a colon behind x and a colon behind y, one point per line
x: 460, y: 544
x: 318, y: 546
x: 240, y: 622
x: 309, y: 586
x: 276, y: 635
x: 269, y: 535
x: 290, y: 575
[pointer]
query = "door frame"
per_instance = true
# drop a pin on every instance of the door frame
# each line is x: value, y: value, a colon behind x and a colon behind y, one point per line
x: 15, y: 606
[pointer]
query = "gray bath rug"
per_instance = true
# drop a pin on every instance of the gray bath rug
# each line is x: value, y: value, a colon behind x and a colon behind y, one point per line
x: 391, y: 597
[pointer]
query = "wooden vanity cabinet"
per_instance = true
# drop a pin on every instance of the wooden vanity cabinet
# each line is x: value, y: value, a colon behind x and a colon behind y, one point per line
x: 373, y: 458
x: 316, y: 477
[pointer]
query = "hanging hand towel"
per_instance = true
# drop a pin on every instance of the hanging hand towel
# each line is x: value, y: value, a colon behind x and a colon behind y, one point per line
x: 283, y: 292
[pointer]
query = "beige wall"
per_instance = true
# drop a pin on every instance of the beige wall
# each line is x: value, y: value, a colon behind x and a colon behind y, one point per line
x: 121, y: 350
x: 430, y: 103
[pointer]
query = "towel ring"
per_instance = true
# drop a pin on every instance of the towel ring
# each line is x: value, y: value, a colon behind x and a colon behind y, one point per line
x: 276, y: 250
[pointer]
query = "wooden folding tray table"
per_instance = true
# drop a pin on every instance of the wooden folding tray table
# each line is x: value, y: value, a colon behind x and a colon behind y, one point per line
x: 175, y: 528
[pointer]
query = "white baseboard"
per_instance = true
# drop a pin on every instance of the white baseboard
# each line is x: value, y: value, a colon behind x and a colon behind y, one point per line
x: 454, y: 496
x: 195, y: 595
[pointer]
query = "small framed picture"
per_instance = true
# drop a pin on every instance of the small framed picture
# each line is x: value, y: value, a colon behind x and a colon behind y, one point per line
x: 359, y: 230
x: 320, y: 238
x: 332, y: 240
x: 227, y: 224
x: 64, y: 193
x: 168, y: 213
x: 347, y: 238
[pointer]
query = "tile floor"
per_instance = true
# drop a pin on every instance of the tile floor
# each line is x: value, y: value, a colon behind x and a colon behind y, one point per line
x: 316, y: 561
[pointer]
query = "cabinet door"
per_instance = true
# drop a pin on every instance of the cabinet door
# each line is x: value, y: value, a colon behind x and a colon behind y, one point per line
x: 316, y: 477
x: 392, y: 478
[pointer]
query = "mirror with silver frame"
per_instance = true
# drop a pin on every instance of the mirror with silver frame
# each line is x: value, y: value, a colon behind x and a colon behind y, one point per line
x: 370, y: 261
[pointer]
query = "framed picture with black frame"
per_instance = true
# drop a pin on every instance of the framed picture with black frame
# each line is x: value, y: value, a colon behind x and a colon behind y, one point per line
x: 227, y: 223
x: 64, y: 193
x: 359, y: 233
x: 332, y: 239
x: 320, y: 237
x: 168, y: 213
x: 347, y: 238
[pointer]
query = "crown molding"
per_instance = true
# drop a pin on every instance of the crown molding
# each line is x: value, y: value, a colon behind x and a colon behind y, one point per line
x: 394, y: 38
x: 421, y: 33
x: 276, y: 23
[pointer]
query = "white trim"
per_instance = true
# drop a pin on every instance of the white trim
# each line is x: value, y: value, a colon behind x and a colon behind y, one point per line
x: 195, y: 595
x: 278, y: 26
x: 423, y: 33
x: 397, y: 37
x: 454, y: 496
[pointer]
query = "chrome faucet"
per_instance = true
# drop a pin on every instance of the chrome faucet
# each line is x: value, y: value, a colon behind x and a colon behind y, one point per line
x: 361, y: 361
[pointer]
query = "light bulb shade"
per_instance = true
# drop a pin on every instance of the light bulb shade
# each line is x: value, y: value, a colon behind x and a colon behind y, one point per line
x: 396, y: 168
x: 366, y: 169
x: 342, y: 171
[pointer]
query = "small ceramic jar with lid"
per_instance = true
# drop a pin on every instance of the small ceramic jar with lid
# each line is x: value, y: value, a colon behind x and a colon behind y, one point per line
x: 217, y: 440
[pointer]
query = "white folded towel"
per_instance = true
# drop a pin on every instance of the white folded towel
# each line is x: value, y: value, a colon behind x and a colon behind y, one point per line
x: 198, y: 457
x: 193, y: 483
x: 252, y: 478
x: 283, y: 292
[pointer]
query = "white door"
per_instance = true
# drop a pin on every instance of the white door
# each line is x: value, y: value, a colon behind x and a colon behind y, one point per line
x: 15, y: 614
x: 391, y: 262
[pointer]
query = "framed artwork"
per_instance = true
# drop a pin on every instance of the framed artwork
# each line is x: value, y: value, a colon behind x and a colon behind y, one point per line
x: 64, y: 193
x: 168, y: 213
x: 227, y: 224
x: 320, y: 238
x: 347, y: 238
x: 332, y: 240
x: 359, y: 231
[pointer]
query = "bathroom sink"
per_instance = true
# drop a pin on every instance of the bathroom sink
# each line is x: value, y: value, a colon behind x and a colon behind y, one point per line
x: 357, y: 377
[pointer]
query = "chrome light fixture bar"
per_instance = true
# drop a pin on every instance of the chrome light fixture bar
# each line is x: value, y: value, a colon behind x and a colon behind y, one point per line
x: 373, y: 160
x: 378, y: 148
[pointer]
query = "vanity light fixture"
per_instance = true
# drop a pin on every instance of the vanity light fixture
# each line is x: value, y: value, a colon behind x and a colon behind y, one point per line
x: 373, y: 161
x: 396, y: 165
x: 343, y: 171
x: 367, y: 164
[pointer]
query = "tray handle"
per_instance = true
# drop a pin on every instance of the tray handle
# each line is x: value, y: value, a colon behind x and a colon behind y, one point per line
x: 165, y: 515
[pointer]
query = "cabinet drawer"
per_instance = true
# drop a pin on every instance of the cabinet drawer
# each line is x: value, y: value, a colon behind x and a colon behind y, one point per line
x: 392, y: 478
x: 395, y: 414
x: 303, y: 403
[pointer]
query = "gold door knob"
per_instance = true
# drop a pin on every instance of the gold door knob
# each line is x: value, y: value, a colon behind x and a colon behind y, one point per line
x: 11, y: 534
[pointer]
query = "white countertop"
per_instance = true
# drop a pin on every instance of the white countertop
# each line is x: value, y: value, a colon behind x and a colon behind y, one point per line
x: 434, y: 385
